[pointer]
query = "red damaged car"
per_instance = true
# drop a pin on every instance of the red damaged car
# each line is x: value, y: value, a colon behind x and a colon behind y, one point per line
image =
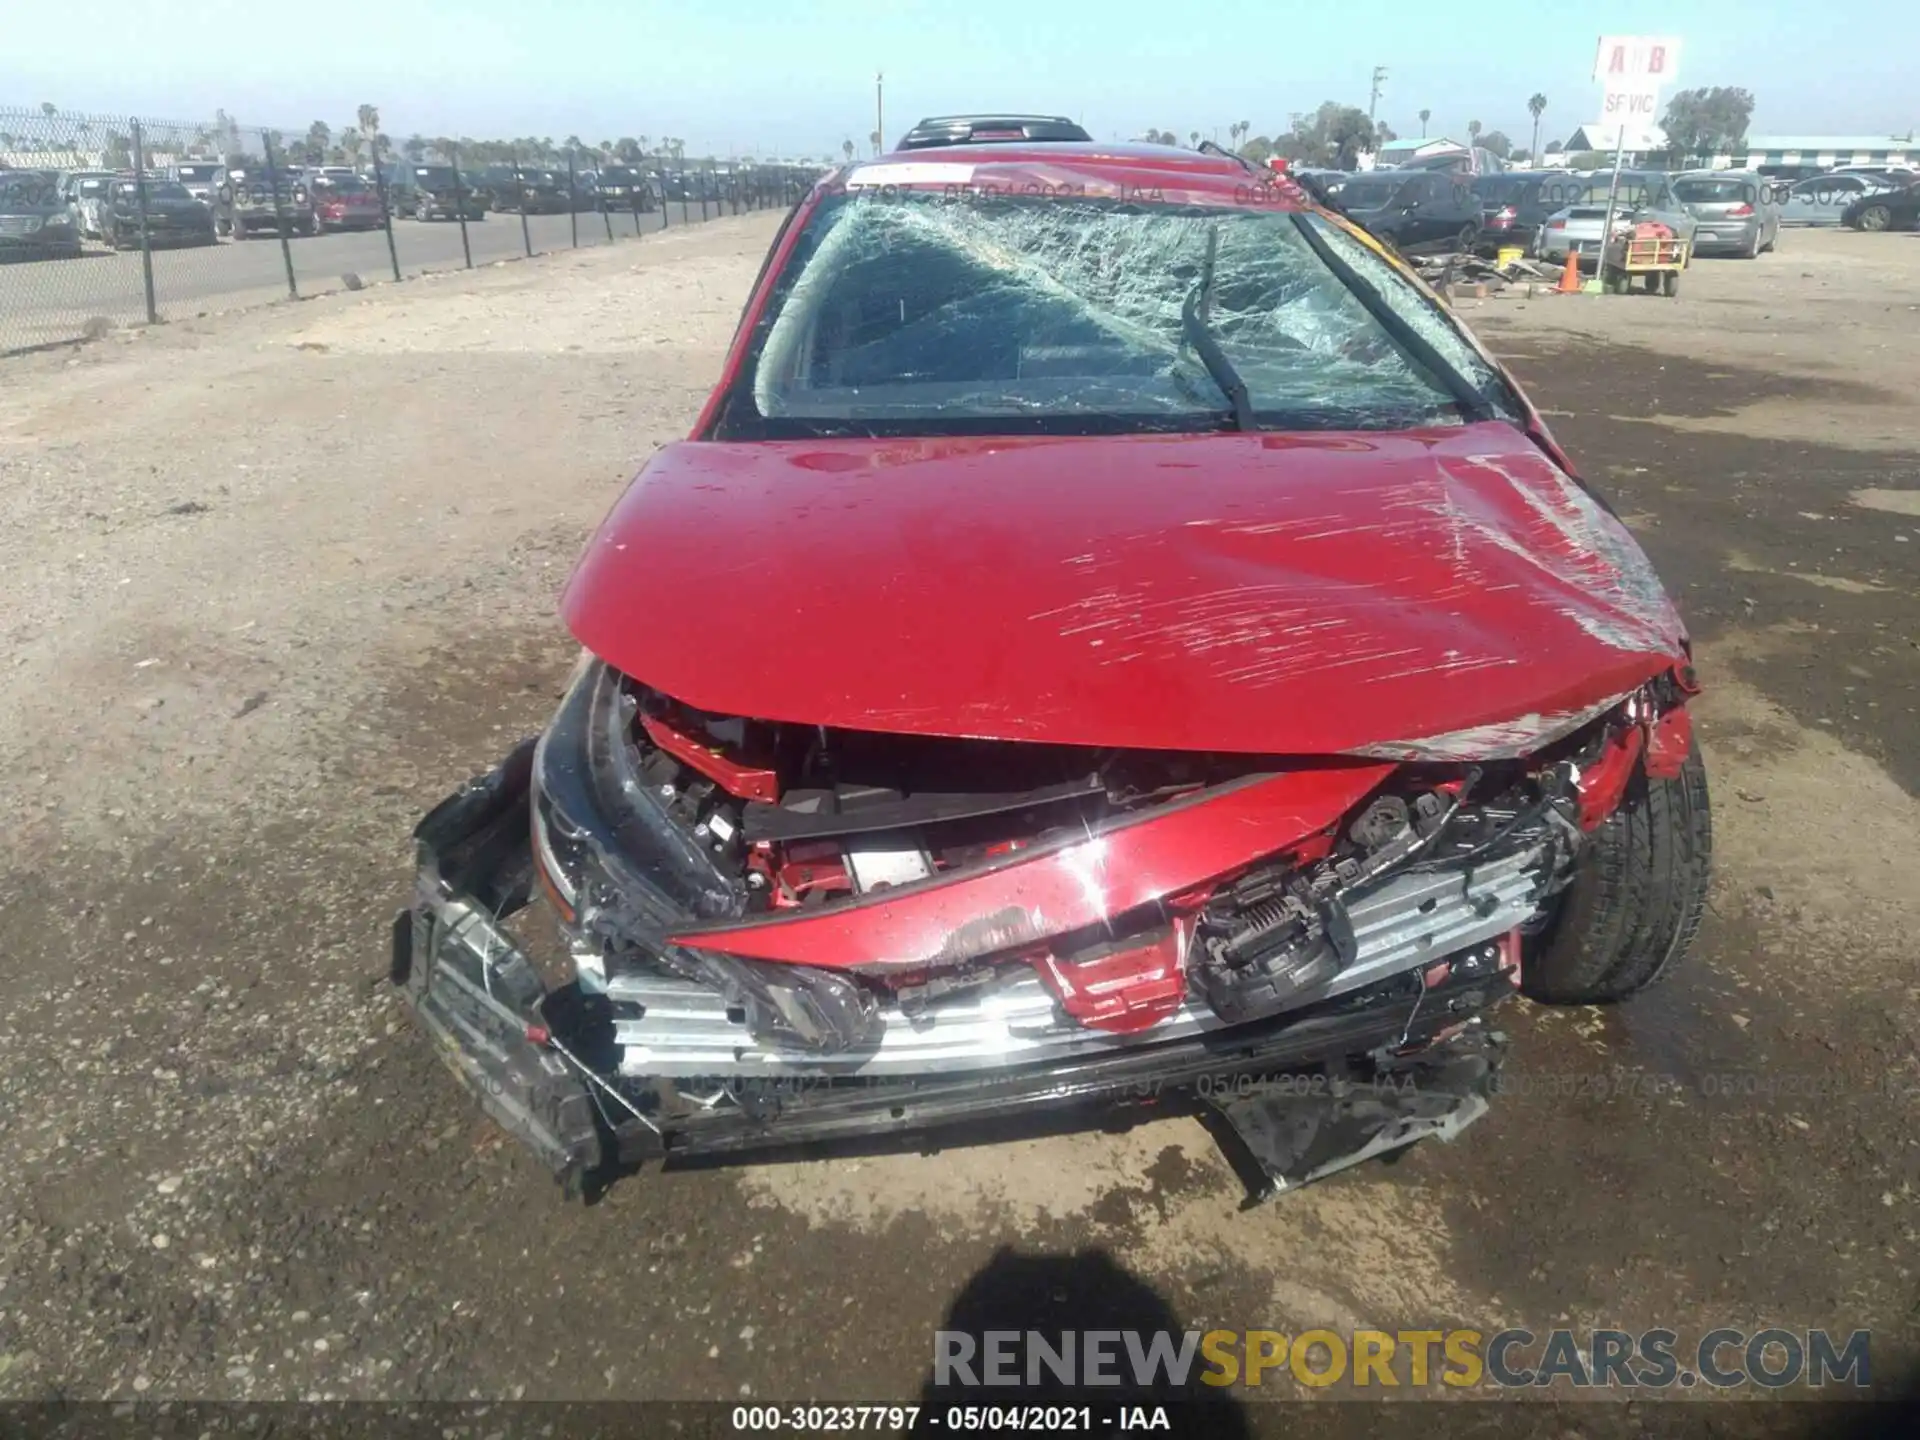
x: 1111, y: 638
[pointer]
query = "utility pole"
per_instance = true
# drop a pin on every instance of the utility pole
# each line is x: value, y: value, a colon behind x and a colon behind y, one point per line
x: 879, y: 111
x: 1373, y: 100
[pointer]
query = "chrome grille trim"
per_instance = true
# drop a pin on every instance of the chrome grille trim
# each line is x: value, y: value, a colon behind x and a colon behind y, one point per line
x: 685, y: 1030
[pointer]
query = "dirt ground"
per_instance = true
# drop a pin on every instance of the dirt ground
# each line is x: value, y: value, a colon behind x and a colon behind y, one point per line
x: 272, y: 584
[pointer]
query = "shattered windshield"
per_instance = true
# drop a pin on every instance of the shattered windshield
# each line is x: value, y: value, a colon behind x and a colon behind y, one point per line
x: 919, y: 313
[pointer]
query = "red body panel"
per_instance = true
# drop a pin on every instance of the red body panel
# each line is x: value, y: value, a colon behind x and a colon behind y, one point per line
x: 748, y: 782
x: 1306, y: 594
x: 946, y: 920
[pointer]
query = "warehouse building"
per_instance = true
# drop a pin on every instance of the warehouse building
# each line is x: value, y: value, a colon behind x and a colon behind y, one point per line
x: 1826, y: 151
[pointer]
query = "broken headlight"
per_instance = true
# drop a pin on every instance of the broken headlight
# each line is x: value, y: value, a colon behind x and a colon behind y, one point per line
x: 624, y: 875
x: 606, y: 849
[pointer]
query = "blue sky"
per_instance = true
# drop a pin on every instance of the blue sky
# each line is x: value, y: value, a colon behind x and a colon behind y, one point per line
x: 798, y: 77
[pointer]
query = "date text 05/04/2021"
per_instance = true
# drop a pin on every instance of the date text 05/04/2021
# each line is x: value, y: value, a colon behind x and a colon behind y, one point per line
x: 961, y: 1419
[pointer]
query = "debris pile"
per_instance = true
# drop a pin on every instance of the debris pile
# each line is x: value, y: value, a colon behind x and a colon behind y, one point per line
x: 1464, y: 275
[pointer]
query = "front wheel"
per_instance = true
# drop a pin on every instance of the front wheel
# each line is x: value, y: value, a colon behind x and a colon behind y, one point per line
x: 1637, y: 896
x: 1876, y: 217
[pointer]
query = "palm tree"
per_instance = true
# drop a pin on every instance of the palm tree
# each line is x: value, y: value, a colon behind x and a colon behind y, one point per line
x: 1473, y: 131
x: 846, y: 147
x: 1425, y: 115
x: 350, y: 142
x: 369, y: 118
x: 1534, y: 108
x: 1194, y: 136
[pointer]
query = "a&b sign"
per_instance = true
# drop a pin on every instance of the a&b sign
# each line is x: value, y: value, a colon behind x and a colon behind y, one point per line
x: 1631, y: 69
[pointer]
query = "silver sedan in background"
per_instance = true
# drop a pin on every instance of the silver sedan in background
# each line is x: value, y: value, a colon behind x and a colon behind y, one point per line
x: 1823, y: 199
x: 1642, y: 196
x: 1738, y: 211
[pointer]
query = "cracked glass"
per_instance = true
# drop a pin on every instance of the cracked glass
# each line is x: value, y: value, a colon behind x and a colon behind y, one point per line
x: 924, y: 311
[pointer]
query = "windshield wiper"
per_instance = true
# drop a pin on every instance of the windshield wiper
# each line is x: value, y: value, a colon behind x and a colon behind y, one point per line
x: 1473, y: 404
x: 1193, y: 325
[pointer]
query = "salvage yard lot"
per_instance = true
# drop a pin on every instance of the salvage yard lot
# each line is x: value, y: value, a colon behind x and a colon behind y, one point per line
x: 242, y: 655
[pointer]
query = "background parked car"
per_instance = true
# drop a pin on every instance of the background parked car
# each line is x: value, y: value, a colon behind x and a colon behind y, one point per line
x: 1514, y: 206
x: 621, y: 188
x: 537, y: 192
x: 1414, y: 210
x: 1895, y: 175
x: 83, y: 191
x: 200, y: 177
x: 439, y: 192
x: 345, y: 203
x: 34, y: 223
x: 1885, y: 210
x: 1642, y: 195
x: 1789, y: 174
x: 1738, y: 211
x: 174, y: 217
x: 1823, y: 199
x: 244, y: 202
x: 1466, y: 160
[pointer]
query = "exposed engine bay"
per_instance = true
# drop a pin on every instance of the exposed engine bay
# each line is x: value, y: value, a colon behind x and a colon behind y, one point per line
x: 729, y: 892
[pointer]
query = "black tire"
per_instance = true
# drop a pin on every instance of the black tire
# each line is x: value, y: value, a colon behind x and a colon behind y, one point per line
x: 1670, y: 283
x: 1875, y: 217
x: 239, y: 228
x: 1636, y: 899
x: 421, y: 212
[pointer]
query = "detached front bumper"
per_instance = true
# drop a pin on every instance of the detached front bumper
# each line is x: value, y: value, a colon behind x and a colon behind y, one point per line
x: 1307, y: 1093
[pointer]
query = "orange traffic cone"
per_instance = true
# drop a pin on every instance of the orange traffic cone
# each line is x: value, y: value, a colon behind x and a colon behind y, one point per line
x: 1570, y: 277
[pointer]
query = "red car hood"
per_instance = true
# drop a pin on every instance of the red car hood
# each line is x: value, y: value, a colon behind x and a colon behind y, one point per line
x: 1437, y: 594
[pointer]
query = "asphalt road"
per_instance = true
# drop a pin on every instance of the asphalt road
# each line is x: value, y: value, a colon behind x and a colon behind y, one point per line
x: 49, y: 301
x: 238, y: 661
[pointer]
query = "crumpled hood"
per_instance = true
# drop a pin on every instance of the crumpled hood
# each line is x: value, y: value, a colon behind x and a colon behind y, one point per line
x: 1446, y: 593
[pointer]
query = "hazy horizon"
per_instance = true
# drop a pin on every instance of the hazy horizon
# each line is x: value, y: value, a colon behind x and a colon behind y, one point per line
x: 801, y: 81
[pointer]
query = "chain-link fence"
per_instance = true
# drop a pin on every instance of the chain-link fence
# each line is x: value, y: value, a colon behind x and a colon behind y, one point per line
x: 106, y: 222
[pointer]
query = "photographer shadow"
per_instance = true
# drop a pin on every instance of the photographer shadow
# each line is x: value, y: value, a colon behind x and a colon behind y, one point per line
x: 1080, y: 1292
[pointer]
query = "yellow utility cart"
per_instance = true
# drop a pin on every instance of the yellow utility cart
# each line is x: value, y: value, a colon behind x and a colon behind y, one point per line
x: 1651, y: 252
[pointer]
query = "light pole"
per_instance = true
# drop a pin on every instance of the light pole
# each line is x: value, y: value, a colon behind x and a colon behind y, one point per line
x: 1373, y: 100
x: 879, y: 111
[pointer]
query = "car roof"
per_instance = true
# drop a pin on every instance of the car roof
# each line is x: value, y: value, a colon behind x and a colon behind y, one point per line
x: 995, y: 129
x: 1057, y: 166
